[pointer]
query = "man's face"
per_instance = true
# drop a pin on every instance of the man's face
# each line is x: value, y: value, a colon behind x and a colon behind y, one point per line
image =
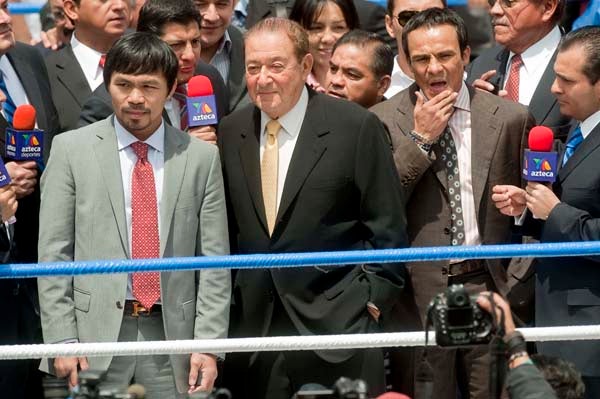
x: 135, y: 13
x: 576, y: 96
x: 216, y: 17
x: 64, y: 26
x: 138, y: 101
x: 518, y: 24
x: 103, y: 17
x: 185, y: 42
x: 274, y: 75
x: 7, y: 38
x: 350, y: 76
x: 436, y: 59
x: 406, y: 8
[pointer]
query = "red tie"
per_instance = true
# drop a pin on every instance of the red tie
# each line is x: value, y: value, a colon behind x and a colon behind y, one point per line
x: 512, y: 86
x: 144, y: 226
x: 181, y: 97
x: 102, y: 61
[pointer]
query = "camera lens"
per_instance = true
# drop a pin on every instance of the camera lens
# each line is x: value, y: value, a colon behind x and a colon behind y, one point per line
x: 460, y: 300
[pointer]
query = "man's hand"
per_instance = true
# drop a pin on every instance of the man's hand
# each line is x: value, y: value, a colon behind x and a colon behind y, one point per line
x: 540, y: 200
x: 510, y: 200
x: 23, y: 175
x: 49, y: 39
x: 67, y: 367
x: 483, y: 300
x: 202, y: 365
x: 483, y: 84
x: 431, y: 117
x: 8, y: 202
x: 205, y: 133
x: 373, y: 311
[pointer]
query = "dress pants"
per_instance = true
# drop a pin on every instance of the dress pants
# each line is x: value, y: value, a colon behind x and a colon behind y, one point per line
x: 154, y: 372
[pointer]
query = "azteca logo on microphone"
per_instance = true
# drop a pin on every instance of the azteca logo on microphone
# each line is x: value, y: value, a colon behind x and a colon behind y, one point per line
x: 202, y: 112
x: 23, y: 145
x: 541, y: 167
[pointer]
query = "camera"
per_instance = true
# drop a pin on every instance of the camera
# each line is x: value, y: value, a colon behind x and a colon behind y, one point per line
x: 344, y: 388
x: 89, y: 388
x: 458, y: 320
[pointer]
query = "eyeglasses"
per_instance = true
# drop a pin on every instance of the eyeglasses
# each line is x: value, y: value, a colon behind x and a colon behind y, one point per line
x: 404, y: 16
x: 503, y: 3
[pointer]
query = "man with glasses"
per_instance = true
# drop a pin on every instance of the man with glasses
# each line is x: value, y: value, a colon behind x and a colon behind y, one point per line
x: 306, y: 172
x: 398, y: 14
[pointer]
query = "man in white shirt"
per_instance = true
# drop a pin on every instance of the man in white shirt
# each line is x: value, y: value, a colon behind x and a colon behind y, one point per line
x: 76, y: 70
x: 398, y: 14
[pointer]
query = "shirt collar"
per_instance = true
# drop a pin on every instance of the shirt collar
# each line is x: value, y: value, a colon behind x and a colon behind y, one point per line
x: 225, y: 45
x: 463, y: 101
x: 398, y: 75
x: 537, y: 55
x: 87, y: 56
x: 125, y: 139
x: 590, y: 123
x: 291, y: 122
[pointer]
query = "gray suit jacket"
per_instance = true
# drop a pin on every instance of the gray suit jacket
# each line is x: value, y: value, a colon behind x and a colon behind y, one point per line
x: 83, y: 218
x: 236, y: 82
x: 499, y: 128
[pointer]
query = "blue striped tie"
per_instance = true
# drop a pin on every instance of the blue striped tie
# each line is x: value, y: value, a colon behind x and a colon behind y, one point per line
x: 574, y: 141
x: 8, y: 106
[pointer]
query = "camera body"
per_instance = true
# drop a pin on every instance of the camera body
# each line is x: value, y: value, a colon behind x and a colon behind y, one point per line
x: 458, y: 320
x: 344, y: 388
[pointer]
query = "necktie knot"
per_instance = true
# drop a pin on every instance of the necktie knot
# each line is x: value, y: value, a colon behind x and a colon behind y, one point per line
x: 273, y: 128
x: 517, y: 61
x: 102, y: 61
x: 141, y: 150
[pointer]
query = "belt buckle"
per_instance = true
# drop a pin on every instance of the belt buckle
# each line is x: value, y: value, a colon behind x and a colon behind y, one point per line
x: 139, y: 310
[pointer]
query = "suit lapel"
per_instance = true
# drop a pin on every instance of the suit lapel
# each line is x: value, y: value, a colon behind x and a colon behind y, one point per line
x: 175, y: 163
x: 588, y: 145
x: 107, y: 157
x: 485, y: 128
x: 541, y: 103
x: 307, y: 152
x: 250, y: 159
x: 69, y: 72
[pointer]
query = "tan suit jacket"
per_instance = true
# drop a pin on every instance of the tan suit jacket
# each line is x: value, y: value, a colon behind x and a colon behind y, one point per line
x: 499, y: 129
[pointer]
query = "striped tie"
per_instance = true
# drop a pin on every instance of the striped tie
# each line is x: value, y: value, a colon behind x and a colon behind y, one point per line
x: 8, y: 106
x: 574, y: 141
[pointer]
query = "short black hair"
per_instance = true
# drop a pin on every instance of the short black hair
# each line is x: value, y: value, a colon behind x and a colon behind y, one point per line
x: 306, y: 11
x: 139, y: 53
x: 391, y: 3
x: 382, y: 60
x: 155, y: 14
x: 589, y: 39
x: 562, y: 376
x: 436, y: 17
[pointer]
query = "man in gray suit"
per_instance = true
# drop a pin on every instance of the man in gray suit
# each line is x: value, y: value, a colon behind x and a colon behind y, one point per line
x: 99, y: 202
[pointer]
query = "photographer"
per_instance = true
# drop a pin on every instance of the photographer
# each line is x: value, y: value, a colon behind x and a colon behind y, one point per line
x: 524, y: 380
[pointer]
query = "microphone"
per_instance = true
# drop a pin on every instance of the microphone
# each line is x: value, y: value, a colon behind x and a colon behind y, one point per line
x: 5, y: 180
x: 23, y: 141
x: 392, y: 395
x: 201, y: 104
x: 539, y: 161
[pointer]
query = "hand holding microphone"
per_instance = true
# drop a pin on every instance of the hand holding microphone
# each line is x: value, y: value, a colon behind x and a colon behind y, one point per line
x: 202, y: 109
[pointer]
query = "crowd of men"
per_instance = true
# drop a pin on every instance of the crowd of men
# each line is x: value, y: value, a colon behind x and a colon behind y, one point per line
x: 418, y: 148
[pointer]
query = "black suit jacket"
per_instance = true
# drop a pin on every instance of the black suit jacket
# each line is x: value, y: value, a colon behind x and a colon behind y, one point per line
x: 236, y: 82
x: 568, y: 289
x: 543, y: 105
x: 70, y: 88
x: 99, y: 104
x: 341, y: 193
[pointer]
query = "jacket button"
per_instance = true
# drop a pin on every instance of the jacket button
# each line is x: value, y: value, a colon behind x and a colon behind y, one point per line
x: 119, y: 305
x: 447, y: 230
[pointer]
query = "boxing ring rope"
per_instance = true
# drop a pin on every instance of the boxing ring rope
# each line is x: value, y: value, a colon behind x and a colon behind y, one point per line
x: 323, y: 342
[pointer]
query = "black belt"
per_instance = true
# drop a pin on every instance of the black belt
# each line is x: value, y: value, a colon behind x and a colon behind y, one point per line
x: 466, y: 266
x: 135, y: 309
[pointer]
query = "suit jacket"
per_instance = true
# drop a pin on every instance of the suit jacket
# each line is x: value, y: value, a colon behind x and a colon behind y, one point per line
x: 371, y: 17
x: 568, y: 289
x: 70, y: 88
x: 341, y: 193
x: 498, y: 131
x: 83, y: 218
x: 236, y: 82
x: 99, y: 106
x: 543, y: 105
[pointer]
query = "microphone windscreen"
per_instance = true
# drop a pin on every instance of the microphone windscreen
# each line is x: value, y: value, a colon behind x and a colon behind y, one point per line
x: 541, y: 139
x: 199, y: 86
x: 24, y: 117
x: 392, y: 395
x: 137, y: 390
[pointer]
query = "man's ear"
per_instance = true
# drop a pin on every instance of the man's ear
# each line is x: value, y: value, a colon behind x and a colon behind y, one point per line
x: 383, y: 85
x: 71, y: 10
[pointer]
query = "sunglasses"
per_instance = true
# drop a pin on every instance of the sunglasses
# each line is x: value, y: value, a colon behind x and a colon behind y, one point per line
x: 503, y: 3
x: 404, y: 16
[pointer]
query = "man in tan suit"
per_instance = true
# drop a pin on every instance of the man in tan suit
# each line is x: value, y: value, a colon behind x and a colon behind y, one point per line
x: 452, y: 144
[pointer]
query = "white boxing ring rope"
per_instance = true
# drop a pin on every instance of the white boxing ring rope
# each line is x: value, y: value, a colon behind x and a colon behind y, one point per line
x: 318, y: 342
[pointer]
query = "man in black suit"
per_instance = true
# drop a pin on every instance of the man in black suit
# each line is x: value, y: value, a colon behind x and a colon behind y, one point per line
x: 568, y: 289
x: 76, y: 70
x: 23, y: 80
x: 176, y: 22
x: 312, y: 182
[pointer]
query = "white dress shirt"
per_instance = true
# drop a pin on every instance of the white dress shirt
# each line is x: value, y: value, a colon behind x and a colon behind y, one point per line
x: 400, y: 80
x: 128, y: 159
x: 589, y: 124
x: 287, y: 138
x: 535, y: 60
x: 13, y: 83
x: 89, y: 61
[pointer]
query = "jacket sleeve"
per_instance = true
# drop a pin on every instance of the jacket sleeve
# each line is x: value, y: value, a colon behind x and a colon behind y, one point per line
x: 526, y: 382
